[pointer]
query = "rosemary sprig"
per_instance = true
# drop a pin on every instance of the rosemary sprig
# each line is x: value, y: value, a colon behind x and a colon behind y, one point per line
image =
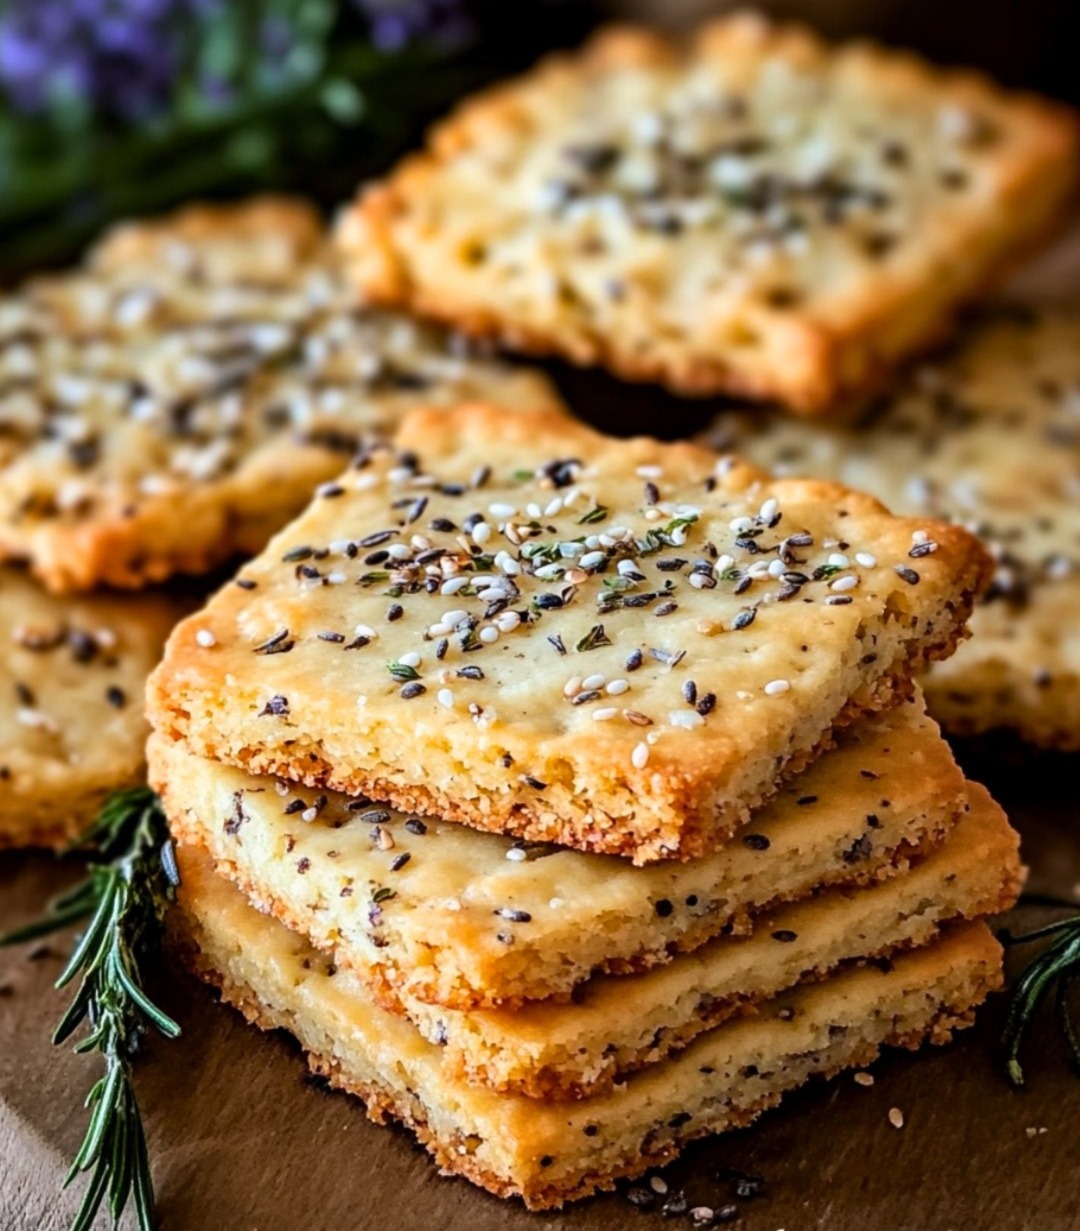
x: 1055, y: 970
x: 131, y: 876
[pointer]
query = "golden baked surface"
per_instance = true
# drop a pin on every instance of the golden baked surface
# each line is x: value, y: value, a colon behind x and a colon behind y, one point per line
x: 438, y: 912
x: 511, y: 621
x: 176, y: 399
x: 751, y: 212
x: 549, y: 1153
x: 72, y: 677
x: 988, y: 436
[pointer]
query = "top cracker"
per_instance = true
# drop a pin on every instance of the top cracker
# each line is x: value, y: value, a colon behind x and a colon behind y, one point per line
x: 175, y: 400
x: 512, y: 621
x: 753, y: 213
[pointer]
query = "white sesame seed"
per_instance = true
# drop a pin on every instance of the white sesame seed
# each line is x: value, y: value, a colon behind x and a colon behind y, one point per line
x: 592, y: 558
x: 919, y: 536
x: 507, y: 564
x: 365, y: 630
x: 837, y: 560
x: 605, y: 713
x: 865, y: 559
x: 687, y: 719
x: 453, y: 585
x: 498, y: 509
x: 775, y: 687
x: 699, y: 581
x: 205, y: 638
x: 399, y: 551
x: 454, y: 618
x: 488, y: 635
x: 639, y: 758
x: 481, y: 532
x: 309, y: 814
x: 769, y: 509
x: 412, y: 659
x: 516, y: 854
x: 847, y: 582
x: 777, y: 568
x: 896, y: 1117
x: 617, y: 687
x: 508, y: 621
x: 549, y: 572
x: 572, y: 686
x: 741, y: 524
x: 336, y: 579
x: 445, y: 698
x: 553, y: 507
x: 593, y: 681
x: 628, y: 566
x: 653, y: 515
x: 649, y: 472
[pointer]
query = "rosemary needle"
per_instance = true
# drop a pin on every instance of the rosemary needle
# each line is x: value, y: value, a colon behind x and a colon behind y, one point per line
x: 1054, y: 969
x: 130, y: 878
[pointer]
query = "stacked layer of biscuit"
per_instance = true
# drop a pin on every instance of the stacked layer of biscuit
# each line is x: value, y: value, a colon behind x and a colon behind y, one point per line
x: 443, y: 633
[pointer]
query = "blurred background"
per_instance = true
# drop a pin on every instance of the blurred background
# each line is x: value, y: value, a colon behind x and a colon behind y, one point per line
x: 114, y: 108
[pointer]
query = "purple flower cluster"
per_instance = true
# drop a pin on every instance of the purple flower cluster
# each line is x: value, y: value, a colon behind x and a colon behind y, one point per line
x: 116, y: 57
x: 394, y: 23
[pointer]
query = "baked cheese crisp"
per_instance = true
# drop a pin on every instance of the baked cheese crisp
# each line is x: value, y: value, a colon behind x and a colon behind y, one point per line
x: 511, y: 621
x: 177, y: 399
x: 751, y: 212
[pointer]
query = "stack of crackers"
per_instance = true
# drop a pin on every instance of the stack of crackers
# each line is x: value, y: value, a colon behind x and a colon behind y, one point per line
x: 571, y: 798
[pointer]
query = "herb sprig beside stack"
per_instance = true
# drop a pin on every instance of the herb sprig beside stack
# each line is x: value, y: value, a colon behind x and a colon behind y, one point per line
x: 1054, y: 971
x: 130, y: 879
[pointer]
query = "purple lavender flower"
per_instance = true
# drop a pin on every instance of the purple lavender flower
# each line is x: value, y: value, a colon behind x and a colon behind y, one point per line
x: 119, y: 58
x: 397, y: 22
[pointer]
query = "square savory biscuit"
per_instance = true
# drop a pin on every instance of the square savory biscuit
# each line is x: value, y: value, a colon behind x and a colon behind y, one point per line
x: 585, y: 1046
x: 548, y: 1153
x: 752, y: 212
x: 436, y: 912
x: 988, y: 436
x: 511, y: 621
x: 72, y: 677
x: 176, y: 401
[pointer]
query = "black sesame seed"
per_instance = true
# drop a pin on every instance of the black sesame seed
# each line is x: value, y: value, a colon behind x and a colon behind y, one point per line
x: 634, y: 660
x: 583, y: 698
x: 336, y: 638
x: 297, y: 553
x: 665, y: 609
x: 116, y: 697
x: 922, y: 549
x: 245, y: 583
x: 399, y: 861
x: 470, y: 673
x: 535, y: 783
x: 756, y: 841
x: 689, y: 692
x: 394, y: 612
x: 413, y: 689
x: 907, y: 574
x: 745, y: 618
x: 415, y: 825
x: 706, y: 704
x: 785, y: 936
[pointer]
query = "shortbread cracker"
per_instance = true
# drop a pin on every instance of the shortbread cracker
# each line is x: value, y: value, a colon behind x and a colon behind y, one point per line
x: 990, y: 437
x: 176, y: 400
x: 583, y: 1046
x: 438, y: 912
x: 752, y: 212
x: 550, y: 1153
x: 72, y: 677
x: 516, y: 623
